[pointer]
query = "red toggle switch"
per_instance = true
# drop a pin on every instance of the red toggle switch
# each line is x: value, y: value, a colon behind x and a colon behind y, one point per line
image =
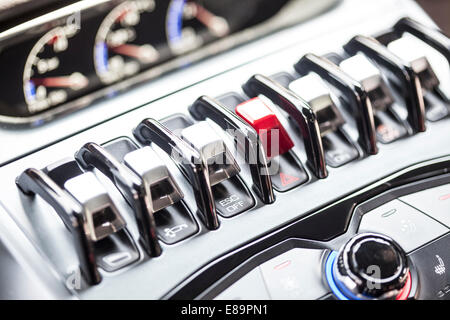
x: 274, y: 137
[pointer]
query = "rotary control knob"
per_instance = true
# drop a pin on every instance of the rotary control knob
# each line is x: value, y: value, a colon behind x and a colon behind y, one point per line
x: 369, y: 266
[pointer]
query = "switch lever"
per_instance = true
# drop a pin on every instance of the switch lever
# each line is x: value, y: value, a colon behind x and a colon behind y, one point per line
x: 302, y: 114
x: 313, y: 90
x: 339, y: 148
x: 143, y: 179
x: 433, y: 37
x: 222, y: 169
x: 245, y: 137
x: 354, y: 92
x: 390, y: 126
x: 213, y: 150
x: 430, y: 59
x: 409, y: 80
x: 82, y: 203
x: 189, y: 159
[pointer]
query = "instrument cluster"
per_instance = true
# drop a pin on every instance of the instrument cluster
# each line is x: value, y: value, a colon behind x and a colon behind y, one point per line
x: 69, y: 53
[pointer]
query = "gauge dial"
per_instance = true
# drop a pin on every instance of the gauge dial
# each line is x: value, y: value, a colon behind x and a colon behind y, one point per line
x: 47, y: 81
x: 190, y: 24
x: 124, y: 45
x: 194, y: 23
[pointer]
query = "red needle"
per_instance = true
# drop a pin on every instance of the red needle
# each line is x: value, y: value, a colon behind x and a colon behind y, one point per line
x: 130, y: 50
x: 145, y: 53
x: 445, y: 197
x: 217, y: 25
x: 53, y: 40
x: 74, y: 81
x: 122, y: 15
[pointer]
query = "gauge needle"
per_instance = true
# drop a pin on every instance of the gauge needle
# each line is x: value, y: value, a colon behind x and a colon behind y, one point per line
x: 122, y: 15
x: 75, y: 81
x: 145, y: 53
x: 217, y: 25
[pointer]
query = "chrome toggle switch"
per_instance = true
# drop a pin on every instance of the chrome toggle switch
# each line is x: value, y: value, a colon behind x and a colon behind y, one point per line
x: 338, y: 147
x: 102, y: 218
x: 229, y: 192
x: 389, y: 124
x: 88, y: 212
x: 399, y: 72
x: 246, y: 140
x: 430, y: 35
x: 436, y: 46
x: 158, y: 182
x: 189, y: 160
x: 407, y: 49
x: 142, y: 178
x: 221, y: 164
x: 351, y: 90
x: 314, y: 91
x: 300, y: 112
x: 231, y: 195
x: 432, y: 69
x: 361, y: 69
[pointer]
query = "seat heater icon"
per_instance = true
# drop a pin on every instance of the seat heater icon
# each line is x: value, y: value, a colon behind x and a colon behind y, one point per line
x: 440, y: 268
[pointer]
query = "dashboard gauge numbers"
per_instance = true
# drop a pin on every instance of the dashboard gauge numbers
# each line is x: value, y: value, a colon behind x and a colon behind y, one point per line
x: 46, y: 83
x: 120, y: 49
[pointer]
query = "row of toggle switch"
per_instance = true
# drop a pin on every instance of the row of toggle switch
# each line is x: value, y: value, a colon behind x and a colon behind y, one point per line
x: 387, y: 89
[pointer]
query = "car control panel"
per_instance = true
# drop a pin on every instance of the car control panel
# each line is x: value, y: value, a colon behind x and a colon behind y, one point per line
x: 318, y: 171
x: 65, y: 59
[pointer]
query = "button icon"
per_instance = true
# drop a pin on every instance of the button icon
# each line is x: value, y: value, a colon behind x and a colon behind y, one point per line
x: 172, y: 232
x: 290, y: 283
x: 339, y: 156
x: 117, y: 259
x: 440, y: 268
x: 403, y: 223
x: 389, y: 213
x: 387, y: 133
x: 407, y: 226
x: 283, y: 265
x: 287, y: 179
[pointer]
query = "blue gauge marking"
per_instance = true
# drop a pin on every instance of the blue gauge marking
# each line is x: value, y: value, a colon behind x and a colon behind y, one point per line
x: 175, y: 20
x: 30, y: 90
x: 101, y: 57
